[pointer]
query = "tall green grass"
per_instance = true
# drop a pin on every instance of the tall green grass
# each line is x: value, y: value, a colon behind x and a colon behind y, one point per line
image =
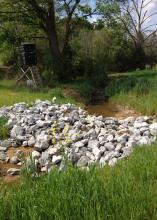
x: 137, y: 90
x: 126, y: 191
x: 4, y: 130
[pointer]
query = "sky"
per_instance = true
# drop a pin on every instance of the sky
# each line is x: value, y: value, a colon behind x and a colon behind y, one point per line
x: 151, y: 8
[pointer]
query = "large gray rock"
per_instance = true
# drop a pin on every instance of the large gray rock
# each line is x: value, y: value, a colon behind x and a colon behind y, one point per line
x: 42, y: 142
x: 6, y: 144
x: 44, y: 159
x: 97, y: 153
x: 16, y: 130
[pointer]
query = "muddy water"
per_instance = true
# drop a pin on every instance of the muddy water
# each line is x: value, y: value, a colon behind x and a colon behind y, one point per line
x: 109, y: 109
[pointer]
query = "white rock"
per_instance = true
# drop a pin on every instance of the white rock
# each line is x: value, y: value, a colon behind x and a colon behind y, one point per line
x: 110, y: 138
x: 140, y: 125
x: 97, y: 153
x: 14, y: 160
x: 153, y: 129
x: 36, y: 154
x: 112, y: 162
x: 13, y: 172
x: 52, y: 151
x: 79, y: 144
x: 93, y: 144
x: 102, y: 162
x: 56, y: 159
x: 144, y: 141
x: 31, y: 142
x: 16, y: 130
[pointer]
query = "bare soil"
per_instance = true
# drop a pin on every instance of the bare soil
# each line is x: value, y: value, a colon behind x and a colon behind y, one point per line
x: 109, y: 109
x: 4, y: 166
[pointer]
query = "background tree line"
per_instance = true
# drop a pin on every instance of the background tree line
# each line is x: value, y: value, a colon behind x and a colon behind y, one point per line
x: 70, y: 44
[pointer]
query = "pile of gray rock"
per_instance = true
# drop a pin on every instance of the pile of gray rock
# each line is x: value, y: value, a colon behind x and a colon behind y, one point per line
x: 59, y: 133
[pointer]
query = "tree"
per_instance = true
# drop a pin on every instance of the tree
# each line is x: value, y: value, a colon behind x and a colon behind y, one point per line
x: 136, y: 19
x: 46, y: 14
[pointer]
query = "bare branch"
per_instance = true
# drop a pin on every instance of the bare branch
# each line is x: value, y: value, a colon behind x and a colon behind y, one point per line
x: 151, y: 15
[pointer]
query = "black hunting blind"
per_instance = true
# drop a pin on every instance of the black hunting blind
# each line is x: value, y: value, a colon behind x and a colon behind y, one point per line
x: 29, y: 71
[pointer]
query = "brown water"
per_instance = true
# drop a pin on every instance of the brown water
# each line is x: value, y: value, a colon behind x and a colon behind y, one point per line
x: 109, y: 109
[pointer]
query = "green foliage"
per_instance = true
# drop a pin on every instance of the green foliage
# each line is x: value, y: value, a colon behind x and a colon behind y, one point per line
x: 86, y: 89
x: 4, y: 130
x: 126, y: 191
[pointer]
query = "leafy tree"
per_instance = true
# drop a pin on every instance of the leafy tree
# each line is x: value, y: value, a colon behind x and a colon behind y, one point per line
x: 135, y: 17
x: 45, y: 15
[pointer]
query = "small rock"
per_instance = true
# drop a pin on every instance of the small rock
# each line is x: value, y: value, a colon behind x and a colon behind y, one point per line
x: 31, y: 142
x: 25, y: 144
x: 97, y: 153
x: 56, y: 159
x: 13, y: 172
x: 52, y: 151
x: 79, y: 144
x: 110, y: 138
x: 127, y: 151
x: 93, y: 144
x: 14, y: 160
x: 83, y: 161
x: 102, y: 162
x: 3, y: 149
x: 144, y: 141
x: 36, y: 154
x: 153, y: 129
x: 44, y: 159
x: 3, y: 156
x: 109, y: 146
x: 112, y: 162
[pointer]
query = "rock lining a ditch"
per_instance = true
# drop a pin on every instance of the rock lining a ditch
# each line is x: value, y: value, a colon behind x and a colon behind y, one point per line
x: 59, y: 133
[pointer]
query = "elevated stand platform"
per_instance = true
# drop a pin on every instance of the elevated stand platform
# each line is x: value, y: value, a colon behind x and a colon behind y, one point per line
x: 31, y: 74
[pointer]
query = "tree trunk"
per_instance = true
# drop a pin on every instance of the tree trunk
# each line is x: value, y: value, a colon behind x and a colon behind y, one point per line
x: 57, y: 59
